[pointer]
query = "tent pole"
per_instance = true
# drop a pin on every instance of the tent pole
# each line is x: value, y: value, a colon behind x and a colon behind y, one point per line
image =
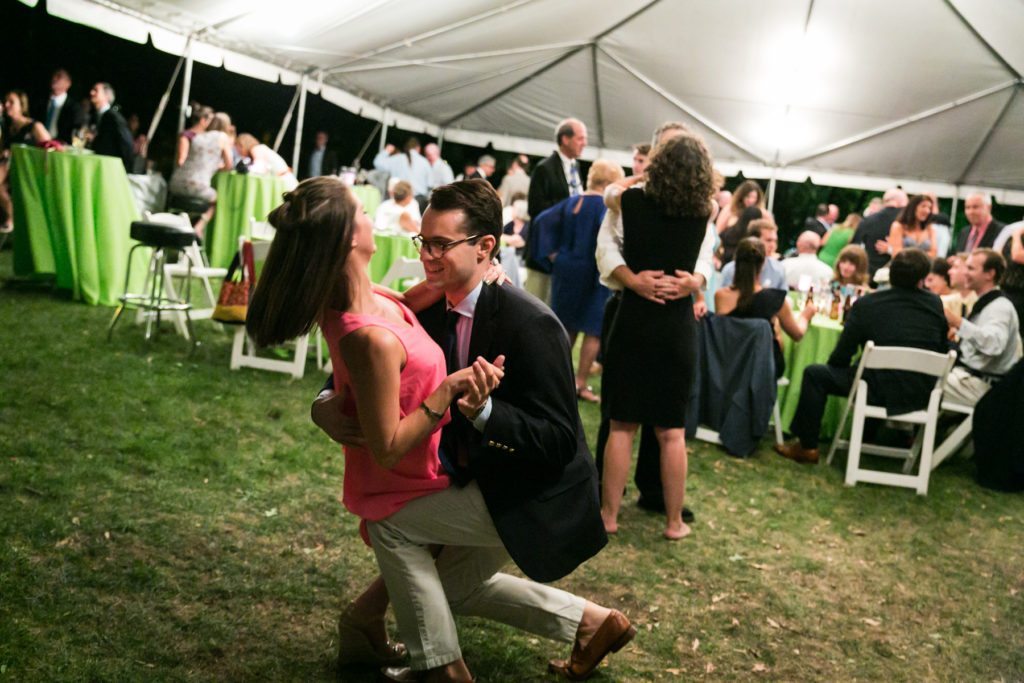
x: 771, y: 189
x: 164, y: 99
x: 186, y: 85
x: 383, y: 130
x: 298, y: 124
x: 440, y: 140
x: 287, y: 121
x: 952, y: 212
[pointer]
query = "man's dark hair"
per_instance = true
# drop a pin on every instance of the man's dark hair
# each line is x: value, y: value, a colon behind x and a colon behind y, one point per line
x: 993, y: 261
x: 566, y: 130
x: 479, y: 204
x: 908, y: 268
x: 821, y: 211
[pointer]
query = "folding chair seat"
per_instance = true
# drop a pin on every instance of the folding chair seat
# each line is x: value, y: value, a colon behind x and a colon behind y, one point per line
x: 401, y: 270
x: 201, y: 269
x: 959, y: 436
x: 893, y: 358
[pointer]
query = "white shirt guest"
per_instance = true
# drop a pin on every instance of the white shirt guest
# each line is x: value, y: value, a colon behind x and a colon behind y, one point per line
x: 806, y: 263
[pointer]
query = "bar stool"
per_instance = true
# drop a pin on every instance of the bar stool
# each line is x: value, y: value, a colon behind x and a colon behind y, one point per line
x: 158, y: 237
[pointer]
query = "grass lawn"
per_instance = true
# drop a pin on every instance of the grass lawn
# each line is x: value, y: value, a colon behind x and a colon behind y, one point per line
x: 164, y: 518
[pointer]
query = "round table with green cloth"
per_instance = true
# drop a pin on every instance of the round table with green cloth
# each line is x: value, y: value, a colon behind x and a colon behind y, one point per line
x: 389, y: 249
x: 240, y: 198
x: 369, y: 196
x: 816, y: 346
x: 72, y: 218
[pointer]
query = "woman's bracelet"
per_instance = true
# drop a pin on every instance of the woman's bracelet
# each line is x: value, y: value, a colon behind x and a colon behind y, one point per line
x: 432, y: 414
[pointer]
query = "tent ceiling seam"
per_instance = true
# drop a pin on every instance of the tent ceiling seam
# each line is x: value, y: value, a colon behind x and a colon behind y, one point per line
x: 597, y: 96
x: 913, y: 118
x: 981, y: 39
x: 430, y: 61
x: 685, y: 108
x: 431, y: 33
x: 988, y: 136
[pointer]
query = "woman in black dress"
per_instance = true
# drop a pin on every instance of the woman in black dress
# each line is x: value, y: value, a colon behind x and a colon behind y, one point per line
x: 745, y: 298
x: 651, y: 346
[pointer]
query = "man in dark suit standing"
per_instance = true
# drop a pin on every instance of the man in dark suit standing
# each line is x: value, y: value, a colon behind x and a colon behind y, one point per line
x: 525, y: 483
x: 983, y: 229
x: 320, y: 160
x: 554, y: 179
x: 818, y: 224
x: 64, y: 115
x: 873, y: 231
x: 922, y: 325
x: 112, y: 135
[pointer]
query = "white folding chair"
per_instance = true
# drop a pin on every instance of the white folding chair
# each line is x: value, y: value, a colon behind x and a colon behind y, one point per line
x: 244, y: 350
x: 401, y: 270
x: 201, y: 268
x: 261, y: 230
x: 893, y: 358
x: 777, y: 413
x: 959, y: 436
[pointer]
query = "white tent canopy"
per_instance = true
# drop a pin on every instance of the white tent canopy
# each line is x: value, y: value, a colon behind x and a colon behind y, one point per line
x: 864, y: 93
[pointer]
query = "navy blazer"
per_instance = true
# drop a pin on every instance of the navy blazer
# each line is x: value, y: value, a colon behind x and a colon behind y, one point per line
x: 532, y: 463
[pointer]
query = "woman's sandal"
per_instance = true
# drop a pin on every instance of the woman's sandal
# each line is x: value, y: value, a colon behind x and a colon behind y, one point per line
x: 355, y: 646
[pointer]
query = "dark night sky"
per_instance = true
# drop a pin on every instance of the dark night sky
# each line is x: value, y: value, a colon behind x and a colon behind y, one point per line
x: 140, y: 74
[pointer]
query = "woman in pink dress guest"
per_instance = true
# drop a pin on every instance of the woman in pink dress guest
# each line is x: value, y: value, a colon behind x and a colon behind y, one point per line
x: 386, y: 367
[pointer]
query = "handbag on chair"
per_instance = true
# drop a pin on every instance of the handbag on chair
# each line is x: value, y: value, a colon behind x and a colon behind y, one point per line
x: 233, y: 302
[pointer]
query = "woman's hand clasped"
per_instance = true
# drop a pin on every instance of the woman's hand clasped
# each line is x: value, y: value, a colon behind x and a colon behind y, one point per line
x: 476, y: 383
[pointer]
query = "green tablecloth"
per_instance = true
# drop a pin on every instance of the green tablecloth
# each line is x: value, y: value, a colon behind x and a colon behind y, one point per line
x: 389, y: 249
x: 72, y: 217
x: 369, y: 196
x: 240, y: 197
x: 816, y: 346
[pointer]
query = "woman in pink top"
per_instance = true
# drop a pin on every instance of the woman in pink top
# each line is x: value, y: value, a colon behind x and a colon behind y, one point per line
x: 386, y: 366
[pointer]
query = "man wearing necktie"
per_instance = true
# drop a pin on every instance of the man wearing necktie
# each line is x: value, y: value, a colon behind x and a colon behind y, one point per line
x: 524, y: 482
x: 554, y: 179
x: 64, y: 115
x: 983, y: 229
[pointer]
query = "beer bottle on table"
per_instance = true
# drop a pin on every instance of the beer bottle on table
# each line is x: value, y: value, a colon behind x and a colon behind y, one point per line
x: 836, y: 304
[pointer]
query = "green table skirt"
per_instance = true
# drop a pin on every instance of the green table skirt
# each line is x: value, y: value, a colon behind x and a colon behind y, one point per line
x: 241, y: 197
x: 72, y: 217
x: 389, y: 249
x: 816, y: 346
x: 369, y: 196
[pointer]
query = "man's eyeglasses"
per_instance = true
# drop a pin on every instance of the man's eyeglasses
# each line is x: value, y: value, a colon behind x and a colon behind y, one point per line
x: 438, y: 248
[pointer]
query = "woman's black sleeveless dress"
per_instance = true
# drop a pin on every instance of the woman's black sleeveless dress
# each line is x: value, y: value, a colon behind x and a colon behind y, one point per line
x: 765, y: 305
x: 652, y: 347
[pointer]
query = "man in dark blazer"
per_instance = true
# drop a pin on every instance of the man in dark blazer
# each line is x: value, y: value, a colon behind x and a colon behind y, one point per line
x: 873, y: 231
x: 554, y: 179
x: 112, y: 135
x: 525, y: 485
x: 983, y: 229
x: 320, y: 160
x: 64, y: 114
x: 922, y: 325
x: 818, y: 223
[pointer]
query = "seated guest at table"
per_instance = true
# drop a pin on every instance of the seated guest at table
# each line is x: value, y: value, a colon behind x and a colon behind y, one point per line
x: 913, y: 228
x: 746, y: 298
x: 198, y: 122
x: 64, y: 115
x: 921, y: 325
x: 577, y: 295
x: 989, y: 338
x: 873, y: 231
x: 961, y: 297
x: 937, y: 281
x: 748, y: 194
x: 731, y: 236
x: 806, y: 264
x: 773, y: 276
x: 208, y: 152
x: 264, y: 160
x: 400, y: 211
x: 18, y: 129
x: 851, y: 267
x: 112, y: 135
x: 838, y: 237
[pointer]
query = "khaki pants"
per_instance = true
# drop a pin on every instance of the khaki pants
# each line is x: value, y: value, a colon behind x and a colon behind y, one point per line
x: 538, y: 284
x: 463, y: 580
x: 963, y: 387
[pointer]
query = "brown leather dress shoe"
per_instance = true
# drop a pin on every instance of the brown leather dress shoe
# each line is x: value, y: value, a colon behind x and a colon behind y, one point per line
x: 612, y: 636
x: 797, y: 453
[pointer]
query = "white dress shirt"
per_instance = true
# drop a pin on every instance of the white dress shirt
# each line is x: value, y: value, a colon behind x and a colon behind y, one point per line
x: 58, y: 103
x: 991, y: 342
x: 805, y: 264
x: 609, y: 246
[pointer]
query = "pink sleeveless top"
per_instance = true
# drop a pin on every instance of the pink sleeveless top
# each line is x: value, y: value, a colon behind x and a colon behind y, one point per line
x: 371, y: 491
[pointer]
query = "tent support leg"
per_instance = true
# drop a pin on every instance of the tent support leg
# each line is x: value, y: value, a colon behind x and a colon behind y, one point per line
x: 186, y: 86
x: 298, y: 124
x: 383, y: 130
